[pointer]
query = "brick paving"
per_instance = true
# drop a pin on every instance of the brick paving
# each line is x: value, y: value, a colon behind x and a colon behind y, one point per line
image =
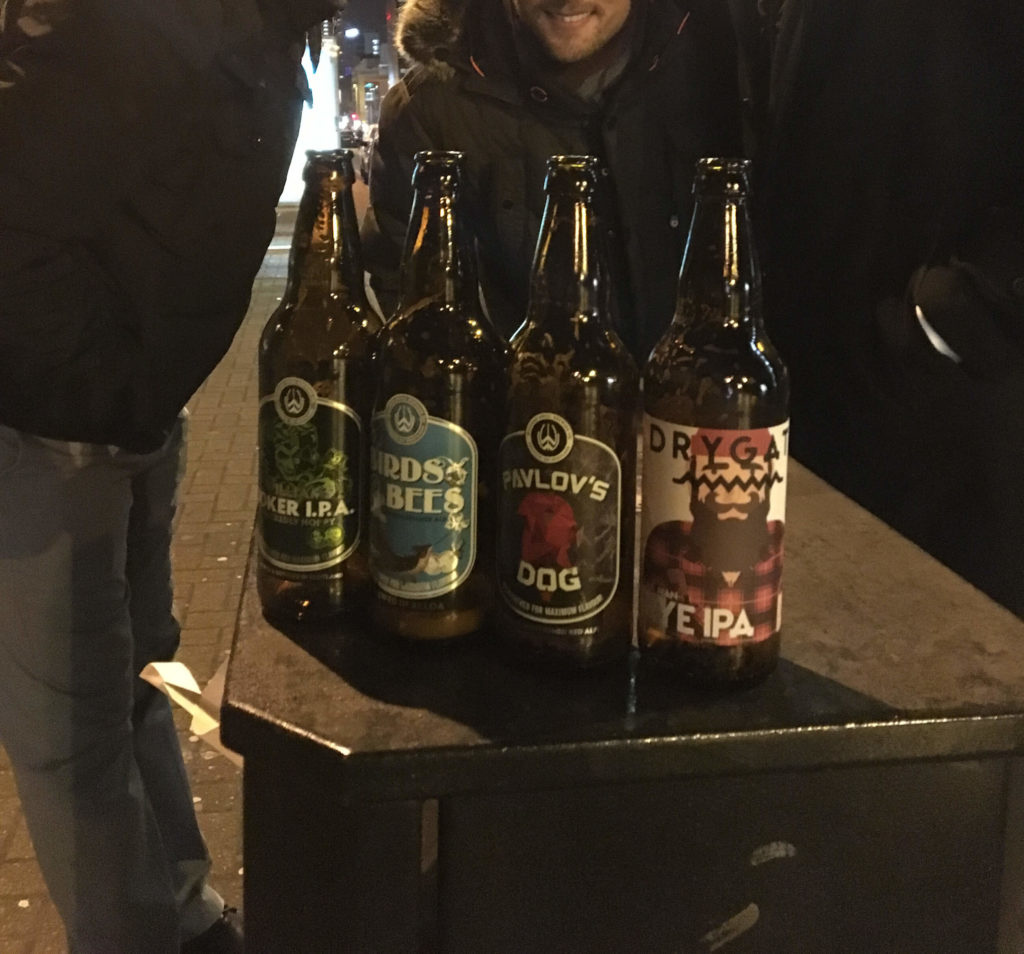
x: 217, y: 506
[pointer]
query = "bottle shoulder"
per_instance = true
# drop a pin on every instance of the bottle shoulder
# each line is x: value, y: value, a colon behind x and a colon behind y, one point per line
x: 444, y: 333
x: 336, y: 332
x: 594, y: 386
x: 709, y: 349
x: 724, y: 384
x: 598, y: 351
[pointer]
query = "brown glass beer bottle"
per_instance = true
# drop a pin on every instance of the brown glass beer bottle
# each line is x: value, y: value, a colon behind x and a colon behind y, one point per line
x: 567, y: 506
x: 315, y: 379
x: 441, y: 371
x: 715, y: 429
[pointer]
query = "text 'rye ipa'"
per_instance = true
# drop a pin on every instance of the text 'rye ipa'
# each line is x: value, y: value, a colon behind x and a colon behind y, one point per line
x: 316, y: 389
x: 567, y: 461
x: 437, y: 414
x: 715, y: 430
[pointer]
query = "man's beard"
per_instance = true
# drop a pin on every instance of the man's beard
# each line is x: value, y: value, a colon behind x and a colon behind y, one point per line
x: 730, y: 545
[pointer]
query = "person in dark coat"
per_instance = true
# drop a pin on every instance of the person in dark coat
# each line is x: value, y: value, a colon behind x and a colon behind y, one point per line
x: 143, y: 147
x: 649, y: 86
x: 894, y: 266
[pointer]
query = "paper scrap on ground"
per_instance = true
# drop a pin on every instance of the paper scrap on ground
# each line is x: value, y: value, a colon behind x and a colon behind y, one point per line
x: 176, y: 681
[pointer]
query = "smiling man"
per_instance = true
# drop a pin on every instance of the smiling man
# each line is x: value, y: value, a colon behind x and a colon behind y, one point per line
x: 575, y: 32
x: 649, y: 86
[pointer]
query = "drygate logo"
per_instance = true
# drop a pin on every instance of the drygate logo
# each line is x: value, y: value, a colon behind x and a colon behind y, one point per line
x: 558, y: 536
x: 749, y: 456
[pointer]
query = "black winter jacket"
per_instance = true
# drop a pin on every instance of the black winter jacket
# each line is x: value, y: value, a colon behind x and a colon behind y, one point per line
x: 677, y: 101
x: 896, y: 181
x: 143, y: 147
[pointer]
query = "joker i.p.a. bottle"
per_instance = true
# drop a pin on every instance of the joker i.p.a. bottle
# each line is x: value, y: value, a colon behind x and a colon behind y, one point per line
x: 315, y: 377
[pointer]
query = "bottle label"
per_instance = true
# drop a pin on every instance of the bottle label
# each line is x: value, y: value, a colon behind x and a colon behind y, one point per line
x: 712, y: 519
x: 308, y: 518
x: 423, y: 480
x: 558, y: 523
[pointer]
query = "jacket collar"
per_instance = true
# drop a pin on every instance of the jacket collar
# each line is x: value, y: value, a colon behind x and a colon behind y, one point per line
x: 430, y: 31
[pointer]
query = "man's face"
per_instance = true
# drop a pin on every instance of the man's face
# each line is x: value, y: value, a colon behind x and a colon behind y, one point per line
x: 573, y: 30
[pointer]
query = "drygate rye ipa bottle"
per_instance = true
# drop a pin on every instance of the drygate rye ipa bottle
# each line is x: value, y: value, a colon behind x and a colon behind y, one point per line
x: 440, y: 388
x: 715, y: 430
x: 567, y: 462
x: 315, y: 398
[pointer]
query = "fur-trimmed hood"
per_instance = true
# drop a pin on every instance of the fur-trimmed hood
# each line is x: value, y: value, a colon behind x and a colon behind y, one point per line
x: 428, y: 29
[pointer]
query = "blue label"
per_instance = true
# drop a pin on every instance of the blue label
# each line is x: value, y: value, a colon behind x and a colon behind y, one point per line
x: 423, y: 480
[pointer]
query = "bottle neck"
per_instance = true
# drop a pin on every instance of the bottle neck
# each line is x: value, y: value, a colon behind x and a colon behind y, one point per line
x: 325, y: 256
x: 570, y: 280
x: 439, y: 263
x: 720, y: 278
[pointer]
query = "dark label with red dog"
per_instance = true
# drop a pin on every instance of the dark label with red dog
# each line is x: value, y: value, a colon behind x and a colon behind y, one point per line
x: 558, y: 528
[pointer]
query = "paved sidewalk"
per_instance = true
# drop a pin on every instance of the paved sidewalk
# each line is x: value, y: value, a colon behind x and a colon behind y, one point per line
x: 218, y: 503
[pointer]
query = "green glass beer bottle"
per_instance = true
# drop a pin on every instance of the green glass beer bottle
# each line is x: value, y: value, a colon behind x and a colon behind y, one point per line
x: 315, y: 379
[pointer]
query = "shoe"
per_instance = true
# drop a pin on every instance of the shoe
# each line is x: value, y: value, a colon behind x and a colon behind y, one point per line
x: 224, y: 937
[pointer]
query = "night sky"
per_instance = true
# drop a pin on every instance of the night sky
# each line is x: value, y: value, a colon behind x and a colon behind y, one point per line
x: 367, y: 15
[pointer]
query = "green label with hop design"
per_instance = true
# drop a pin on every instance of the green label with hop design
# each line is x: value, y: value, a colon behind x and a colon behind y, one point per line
x: 423, y: 478
x: 308, y: 518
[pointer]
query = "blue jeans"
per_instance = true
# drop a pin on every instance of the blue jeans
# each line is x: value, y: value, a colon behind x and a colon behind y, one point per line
x: 85, y: 604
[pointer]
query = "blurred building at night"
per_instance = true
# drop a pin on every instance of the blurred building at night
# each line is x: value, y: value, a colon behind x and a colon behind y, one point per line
x: 368, y: 62
x: 357, y: 65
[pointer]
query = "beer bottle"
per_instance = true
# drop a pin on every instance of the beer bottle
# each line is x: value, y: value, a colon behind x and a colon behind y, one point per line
x: 440, y: 391
x: 567, y: 461
x: 715, y: 428
x: 315, y: 379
